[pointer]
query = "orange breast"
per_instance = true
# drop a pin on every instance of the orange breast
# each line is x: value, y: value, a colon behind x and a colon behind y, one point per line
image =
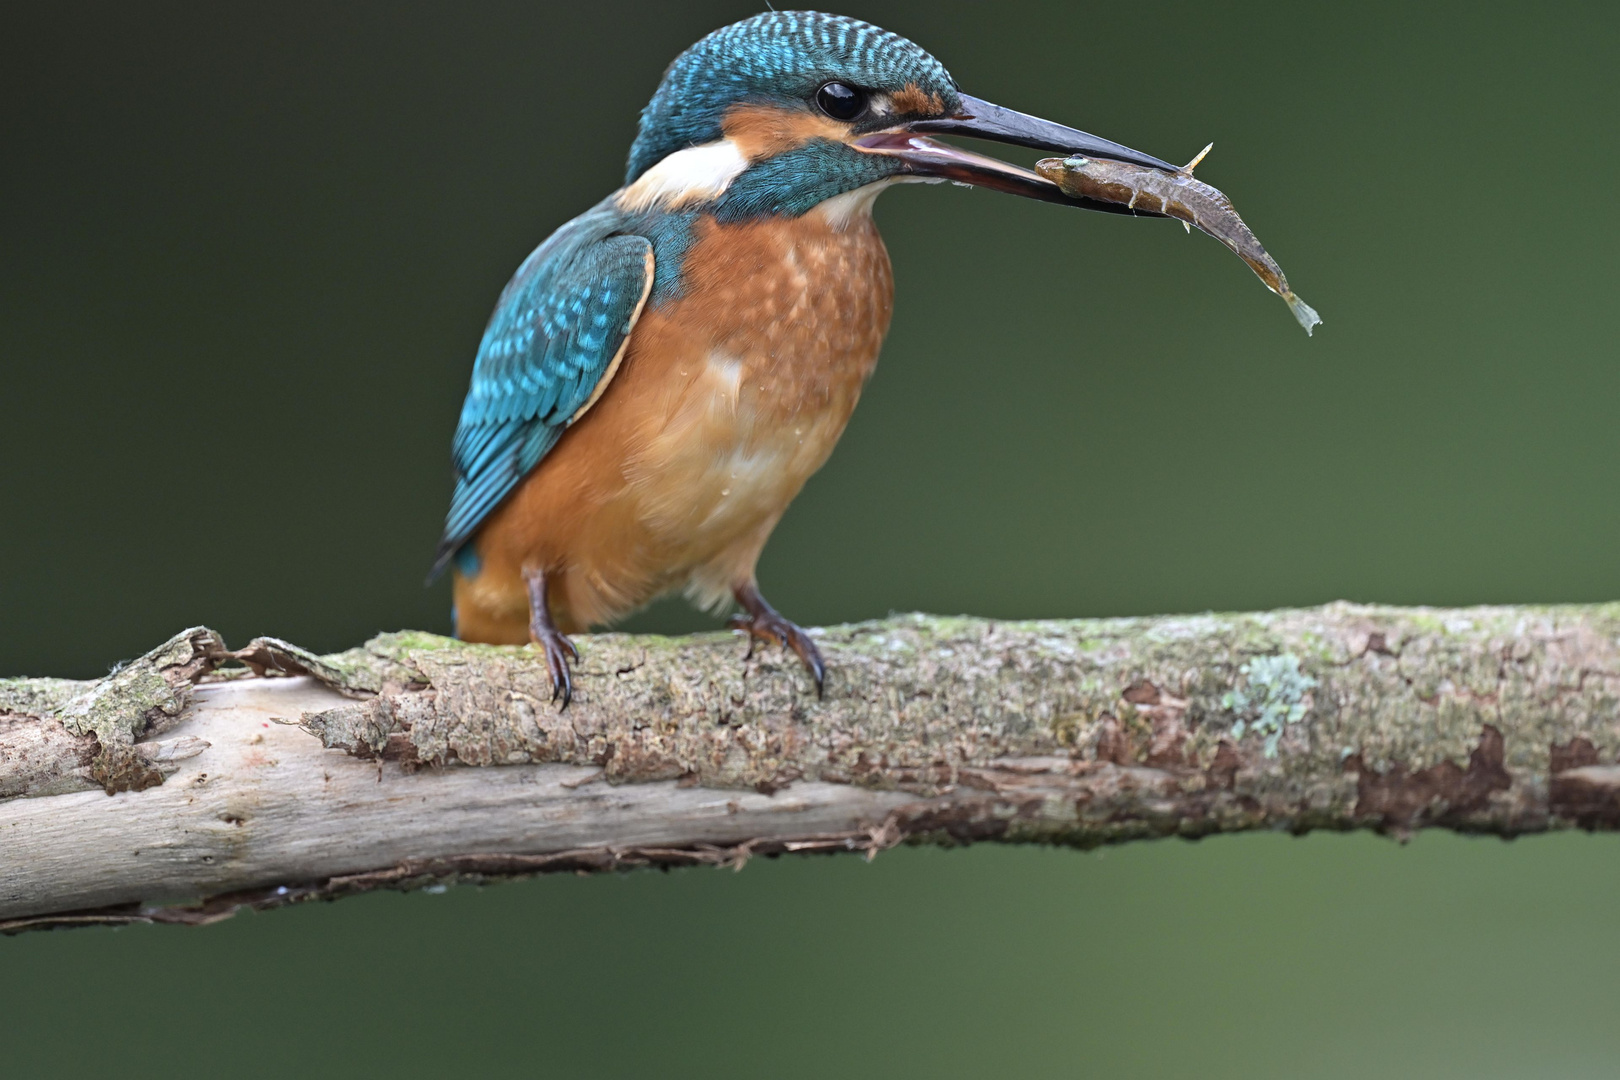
x: 728, y: 398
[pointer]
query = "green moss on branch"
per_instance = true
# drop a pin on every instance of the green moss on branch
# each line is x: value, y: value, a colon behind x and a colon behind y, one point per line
x: 1337, y: 716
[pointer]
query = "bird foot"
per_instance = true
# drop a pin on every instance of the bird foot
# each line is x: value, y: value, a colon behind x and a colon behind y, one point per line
x: 560, y: 655
x: 560, y: 652
x: 764, y: 623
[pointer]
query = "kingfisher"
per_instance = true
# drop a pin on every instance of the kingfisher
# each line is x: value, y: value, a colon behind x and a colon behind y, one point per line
x: 662, y: 375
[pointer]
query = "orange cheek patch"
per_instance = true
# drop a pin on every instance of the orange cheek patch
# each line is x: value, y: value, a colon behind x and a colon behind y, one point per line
x: 764, y: 131
x: 912, y: 100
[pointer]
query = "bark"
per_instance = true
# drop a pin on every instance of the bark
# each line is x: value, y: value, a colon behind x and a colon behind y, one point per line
x: 269, y: 775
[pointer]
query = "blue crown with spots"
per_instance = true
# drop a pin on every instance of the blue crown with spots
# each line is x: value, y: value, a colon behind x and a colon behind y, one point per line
x: 780, y: 57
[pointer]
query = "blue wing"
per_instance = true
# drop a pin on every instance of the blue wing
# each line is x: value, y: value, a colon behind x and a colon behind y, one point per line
x: 555, y: 336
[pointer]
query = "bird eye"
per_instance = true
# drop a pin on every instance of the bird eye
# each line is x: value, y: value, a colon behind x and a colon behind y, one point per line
x: 841, y: 101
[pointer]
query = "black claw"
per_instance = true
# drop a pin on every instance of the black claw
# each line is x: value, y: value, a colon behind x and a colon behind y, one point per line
x: 764, y: 623
x: 744, y: 623
x: 818, y: 670
x: 806, y: 651
x: 544, y: 632
x: 562, y: 679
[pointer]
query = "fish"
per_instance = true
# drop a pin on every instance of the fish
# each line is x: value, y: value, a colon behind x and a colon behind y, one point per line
x: 1179, y: 195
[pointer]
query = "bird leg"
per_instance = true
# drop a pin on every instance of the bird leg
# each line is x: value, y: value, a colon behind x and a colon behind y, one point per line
x: 543, y: 631
x: 765, y: 623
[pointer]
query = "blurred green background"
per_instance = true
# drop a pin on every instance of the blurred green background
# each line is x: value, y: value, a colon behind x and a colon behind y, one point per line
x: 246, y: 253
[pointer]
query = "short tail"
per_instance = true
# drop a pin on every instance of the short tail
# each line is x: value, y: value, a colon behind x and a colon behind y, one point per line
x: 442, y: 557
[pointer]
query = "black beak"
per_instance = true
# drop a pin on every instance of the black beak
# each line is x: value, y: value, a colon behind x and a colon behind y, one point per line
x: 925, y: 158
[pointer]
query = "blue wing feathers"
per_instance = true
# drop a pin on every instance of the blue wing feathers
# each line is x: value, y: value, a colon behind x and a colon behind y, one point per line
x: 554, y: 333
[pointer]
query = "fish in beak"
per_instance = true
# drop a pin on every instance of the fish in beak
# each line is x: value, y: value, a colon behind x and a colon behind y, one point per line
x: 924, y: 157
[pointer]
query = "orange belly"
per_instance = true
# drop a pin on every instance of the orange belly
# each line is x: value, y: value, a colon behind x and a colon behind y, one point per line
x: 728, y: 398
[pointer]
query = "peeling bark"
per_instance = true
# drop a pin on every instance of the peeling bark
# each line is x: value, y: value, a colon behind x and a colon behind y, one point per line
x: 1503, y: 720
x: 57, y: 735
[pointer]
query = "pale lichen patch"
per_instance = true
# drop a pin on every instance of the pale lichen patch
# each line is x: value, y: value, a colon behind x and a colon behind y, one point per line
x: 1274, y: 694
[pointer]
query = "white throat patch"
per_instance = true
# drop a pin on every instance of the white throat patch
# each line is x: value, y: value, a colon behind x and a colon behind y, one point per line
x: 694, y: 175
x: 841, y: 211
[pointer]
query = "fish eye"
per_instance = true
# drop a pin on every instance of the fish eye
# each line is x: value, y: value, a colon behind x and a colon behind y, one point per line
x: 840, y: 101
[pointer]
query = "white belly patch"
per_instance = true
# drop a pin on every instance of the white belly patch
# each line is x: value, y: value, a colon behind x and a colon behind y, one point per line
x: 718, y: 468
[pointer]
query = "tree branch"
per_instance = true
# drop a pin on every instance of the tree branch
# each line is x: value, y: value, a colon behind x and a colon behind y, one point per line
x: 269, y: 775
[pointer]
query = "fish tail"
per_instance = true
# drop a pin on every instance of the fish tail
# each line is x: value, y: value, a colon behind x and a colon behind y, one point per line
x: 1307, y: 316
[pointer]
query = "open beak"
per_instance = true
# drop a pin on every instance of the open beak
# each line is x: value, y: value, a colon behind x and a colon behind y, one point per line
x: 925, y: 158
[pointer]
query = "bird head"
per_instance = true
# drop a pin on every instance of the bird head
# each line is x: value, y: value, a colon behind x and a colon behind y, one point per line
x: 785, y: 111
